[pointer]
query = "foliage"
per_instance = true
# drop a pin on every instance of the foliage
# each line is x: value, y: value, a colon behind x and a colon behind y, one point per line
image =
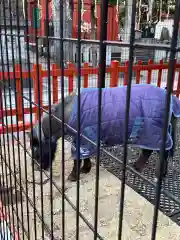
x: 167, y: 7
x: 122, y: 13
x: 121, y: 9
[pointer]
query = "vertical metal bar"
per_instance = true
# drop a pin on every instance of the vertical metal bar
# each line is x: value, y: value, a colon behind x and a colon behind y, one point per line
x: 13, y: 154
x: 39, y: 133
x: 102, y: 46
x: 78, y: 115
x: 24, y: 137
x: 101, y: 83
x: 12, y: 134
x: 31, y: 114
x: 3, y: 159
x: 50, y: 125
x: 1, y: 192
x: 1, y: 121
x: 7, y: 136
x: 6, y: 162
x: 62, y: 114
x: 171, y: 71
x: 3, y: 173
x: 22, y: 101
x: 128, y: 96
x: 2, y: 185
x: 7, y: 58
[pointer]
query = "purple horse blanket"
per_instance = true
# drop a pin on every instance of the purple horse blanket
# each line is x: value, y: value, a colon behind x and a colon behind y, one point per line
x: 146, y: 118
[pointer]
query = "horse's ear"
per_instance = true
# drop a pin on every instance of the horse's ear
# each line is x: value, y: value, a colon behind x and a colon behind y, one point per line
x: 74, y: 92
x: 69, y: 98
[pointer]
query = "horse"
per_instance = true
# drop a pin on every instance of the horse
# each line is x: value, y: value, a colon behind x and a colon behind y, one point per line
x: 146, y: 119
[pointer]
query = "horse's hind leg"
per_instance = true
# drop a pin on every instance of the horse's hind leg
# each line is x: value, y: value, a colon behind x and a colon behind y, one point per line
x: 169, y: 152
x: 139, y: 164
x: 165, y: 166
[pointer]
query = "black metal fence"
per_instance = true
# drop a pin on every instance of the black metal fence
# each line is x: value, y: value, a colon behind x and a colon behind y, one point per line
x: 38, y: 199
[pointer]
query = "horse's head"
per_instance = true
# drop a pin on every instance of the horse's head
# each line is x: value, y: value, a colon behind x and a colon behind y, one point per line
x: 43, y: 141
x: 43, y: 148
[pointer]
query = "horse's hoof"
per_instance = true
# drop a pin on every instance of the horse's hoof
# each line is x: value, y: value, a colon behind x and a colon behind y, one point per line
x: 85, y: 170
x: 72, y: 177
x: 171, y: 154
x: 155, y: 179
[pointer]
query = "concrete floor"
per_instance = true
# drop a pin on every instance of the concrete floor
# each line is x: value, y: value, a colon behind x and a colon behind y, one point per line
x: 138, y: 213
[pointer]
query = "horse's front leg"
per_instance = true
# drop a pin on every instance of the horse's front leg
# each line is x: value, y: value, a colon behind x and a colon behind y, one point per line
x: 73, y: 175
x: 86, y: 168
x: 139, y: 164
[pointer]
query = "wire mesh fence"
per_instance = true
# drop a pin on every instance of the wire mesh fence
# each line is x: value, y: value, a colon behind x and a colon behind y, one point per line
x: 68, y: 112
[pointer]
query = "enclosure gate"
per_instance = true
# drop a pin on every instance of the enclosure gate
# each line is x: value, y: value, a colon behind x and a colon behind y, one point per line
x: 39, y: 202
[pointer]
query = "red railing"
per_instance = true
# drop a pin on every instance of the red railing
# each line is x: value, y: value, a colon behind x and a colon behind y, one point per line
x: 113, y: 70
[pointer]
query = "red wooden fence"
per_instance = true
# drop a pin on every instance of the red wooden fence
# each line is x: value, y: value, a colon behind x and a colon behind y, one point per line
x: 114, y: 69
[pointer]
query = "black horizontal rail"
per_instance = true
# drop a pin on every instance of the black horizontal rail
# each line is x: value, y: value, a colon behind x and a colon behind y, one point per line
x: 150, y: 46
